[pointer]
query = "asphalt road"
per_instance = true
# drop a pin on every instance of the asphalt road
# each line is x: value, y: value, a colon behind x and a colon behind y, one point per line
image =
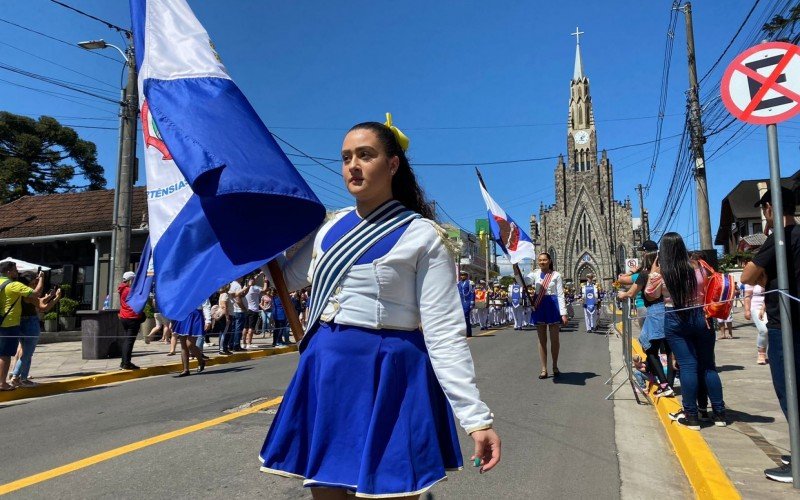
x: 558, y: 437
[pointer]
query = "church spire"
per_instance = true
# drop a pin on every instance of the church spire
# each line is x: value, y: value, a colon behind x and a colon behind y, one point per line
x: 578, y: 72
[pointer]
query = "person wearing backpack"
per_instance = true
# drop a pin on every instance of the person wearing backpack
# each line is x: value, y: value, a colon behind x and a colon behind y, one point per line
x: 12, y: 294
x: 682, y: 282
x: 762, y: 270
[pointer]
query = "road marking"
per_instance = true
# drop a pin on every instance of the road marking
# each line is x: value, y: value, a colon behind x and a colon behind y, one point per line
x: 122, y: 450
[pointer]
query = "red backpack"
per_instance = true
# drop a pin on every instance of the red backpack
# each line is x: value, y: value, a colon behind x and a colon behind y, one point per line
x: 720, y: 289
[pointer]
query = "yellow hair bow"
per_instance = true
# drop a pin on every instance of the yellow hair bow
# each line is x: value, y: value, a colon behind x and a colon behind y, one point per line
x: 402, y: 139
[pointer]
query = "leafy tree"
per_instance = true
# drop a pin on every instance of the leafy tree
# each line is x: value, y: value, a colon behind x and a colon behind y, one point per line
x: 784, y: 28
x: 506, y: 281
x: 42, y: 156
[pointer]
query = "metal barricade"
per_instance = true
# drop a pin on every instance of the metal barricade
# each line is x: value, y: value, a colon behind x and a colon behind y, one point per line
x: 627, y: 351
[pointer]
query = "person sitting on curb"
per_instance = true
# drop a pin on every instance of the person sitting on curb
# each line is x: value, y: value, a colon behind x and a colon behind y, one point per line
x: 762, y: 270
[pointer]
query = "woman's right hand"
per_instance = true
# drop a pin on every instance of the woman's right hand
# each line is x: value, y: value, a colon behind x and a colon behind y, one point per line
x: 747, y: 315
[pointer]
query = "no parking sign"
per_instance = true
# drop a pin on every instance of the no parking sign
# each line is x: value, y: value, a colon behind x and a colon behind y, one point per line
x: 762, y: 84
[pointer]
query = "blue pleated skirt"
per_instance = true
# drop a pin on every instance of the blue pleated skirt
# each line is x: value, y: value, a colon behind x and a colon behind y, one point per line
x: 364, y: 412
x: 547, y: 313
x: 193, y: 325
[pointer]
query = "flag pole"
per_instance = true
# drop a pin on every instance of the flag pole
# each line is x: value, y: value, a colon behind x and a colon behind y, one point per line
x: 283, y: 294
x: 518, y: 271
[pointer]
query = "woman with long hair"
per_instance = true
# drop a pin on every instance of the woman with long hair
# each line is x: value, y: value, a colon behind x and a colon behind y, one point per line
x: 384, y: 362
x: 549, y: 310
x: 681, y: 283
x: 652, y: 337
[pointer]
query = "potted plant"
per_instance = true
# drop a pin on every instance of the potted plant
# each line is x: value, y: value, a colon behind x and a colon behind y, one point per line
x: 50, y: 321
x: 149, y: 319
x: 67, y: 307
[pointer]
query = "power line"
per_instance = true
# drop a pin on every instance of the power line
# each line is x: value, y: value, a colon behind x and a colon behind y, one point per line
x: 98, y: 54
x: 57, y: 64
x: 60, y: 83
x: 306, y: 155
x: 110, y: 25
x: 57, y: 95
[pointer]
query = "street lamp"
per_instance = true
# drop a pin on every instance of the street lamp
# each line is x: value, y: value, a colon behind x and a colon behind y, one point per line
x: 119, y: 255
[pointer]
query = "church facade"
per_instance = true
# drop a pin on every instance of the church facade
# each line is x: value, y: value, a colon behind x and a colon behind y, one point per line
x: 586, y: 230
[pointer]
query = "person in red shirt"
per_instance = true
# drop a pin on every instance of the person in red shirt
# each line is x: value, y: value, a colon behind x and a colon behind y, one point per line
x: 130, y: 319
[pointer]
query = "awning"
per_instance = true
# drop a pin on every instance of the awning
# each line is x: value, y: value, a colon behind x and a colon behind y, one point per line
x: 23, y: 266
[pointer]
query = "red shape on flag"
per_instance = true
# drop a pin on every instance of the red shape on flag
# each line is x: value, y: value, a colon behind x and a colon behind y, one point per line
x: 509, y: 233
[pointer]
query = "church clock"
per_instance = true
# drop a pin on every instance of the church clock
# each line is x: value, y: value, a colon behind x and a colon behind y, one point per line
x: 581, y: 137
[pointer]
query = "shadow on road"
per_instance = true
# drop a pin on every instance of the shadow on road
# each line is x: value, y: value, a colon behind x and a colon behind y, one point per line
x: 574, y: 378
x: 729, y: 368
x: 740, y: 416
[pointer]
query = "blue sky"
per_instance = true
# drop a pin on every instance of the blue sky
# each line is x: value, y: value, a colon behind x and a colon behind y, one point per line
x: 470, y: 82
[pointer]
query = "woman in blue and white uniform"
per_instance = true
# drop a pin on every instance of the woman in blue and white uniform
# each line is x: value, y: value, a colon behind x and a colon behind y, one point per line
x: 384, y: 363
x: 189, y: 331
x: 549, y: 310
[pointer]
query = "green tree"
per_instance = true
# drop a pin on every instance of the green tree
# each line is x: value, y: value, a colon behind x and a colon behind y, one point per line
x: 42, y: 156
x: 784, y: 28
x: 506, y: 281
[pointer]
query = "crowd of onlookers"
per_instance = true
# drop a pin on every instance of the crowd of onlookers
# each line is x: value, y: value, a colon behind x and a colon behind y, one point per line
x: 677, y: 325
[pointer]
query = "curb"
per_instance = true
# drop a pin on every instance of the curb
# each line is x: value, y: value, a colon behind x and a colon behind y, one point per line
x: 701, y: 466
x: 78, y: 383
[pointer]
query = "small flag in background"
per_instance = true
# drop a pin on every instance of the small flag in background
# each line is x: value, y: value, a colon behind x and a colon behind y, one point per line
x: 516, y: 244
x: 213, y: 169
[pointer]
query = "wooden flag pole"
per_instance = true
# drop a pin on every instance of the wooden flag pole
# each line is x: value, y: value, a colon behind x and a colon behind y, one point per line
x: 283, y: 294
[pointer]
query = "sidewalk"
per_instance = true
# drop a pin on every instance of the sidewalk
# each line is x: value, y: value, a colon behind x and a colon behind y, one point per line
x: 757, y: 433
x: 62, y: 360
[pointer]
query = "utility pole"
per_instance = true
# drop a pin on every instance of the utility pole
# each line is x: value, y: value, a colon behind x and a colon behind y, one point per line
x: 645, y: 231
x: 121, y: 230
x: 696, y: 126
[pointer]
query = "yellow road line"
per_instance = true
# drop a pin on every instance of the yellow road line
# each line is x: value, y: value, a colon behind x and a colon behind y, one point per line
x: 122, y: 450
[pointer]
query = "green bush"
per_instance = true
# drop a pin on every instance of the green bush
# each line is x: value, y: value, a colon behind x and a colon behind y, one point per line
x: 67, y: 306
x: 148, y: 310
x: 51, y: 315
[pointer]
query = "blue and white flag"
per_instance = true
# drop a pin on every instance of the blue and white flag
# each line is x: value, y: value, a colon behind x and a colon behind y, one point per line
x: 214, y: 172
x: 516, y: 244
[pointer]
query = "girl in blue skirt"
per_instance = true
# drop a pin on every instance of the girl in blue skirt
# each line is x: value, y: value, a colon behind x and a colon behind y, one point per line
x: 549, y: 310
x: 188, y: 331
x: 384, y: 362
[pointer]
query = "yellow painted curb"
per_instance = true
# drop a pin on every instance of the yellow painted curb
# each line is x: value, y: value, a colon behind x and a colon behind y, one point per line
x: 78, y: 383
x: 706, y: 475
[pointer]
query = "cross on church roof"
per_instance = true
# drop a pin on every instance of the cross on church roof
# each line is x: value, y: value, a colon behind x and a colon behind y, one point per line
x: 577, y: 35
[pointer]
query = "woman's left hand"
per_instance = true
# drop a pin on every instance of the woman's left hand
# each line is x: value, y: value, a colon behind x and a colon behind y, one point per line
x: 564, y: 319
x: 487, y: 448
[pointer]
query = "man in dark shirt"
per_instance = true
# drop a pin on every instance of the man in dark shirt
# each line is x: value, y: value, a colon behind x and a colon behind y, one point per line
x: 762, y: 270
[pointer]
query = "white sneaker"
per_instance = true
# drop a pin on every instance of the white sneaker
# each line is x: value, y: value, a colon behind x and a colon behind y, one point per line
x: 252, y: 347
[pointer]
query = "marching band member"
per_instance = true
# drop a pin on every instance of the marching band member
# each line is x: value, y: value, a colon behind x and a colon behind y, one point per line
x: 384, y: 362
x: 549, y: 310
x: 591, y: 303
x: 515, y: 293
x: 466, y: 290
x: 482, y: 304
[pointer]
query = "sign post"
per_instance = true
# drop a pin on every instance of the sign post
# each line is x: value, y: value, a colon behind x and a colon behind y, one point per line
x: 762, y: 86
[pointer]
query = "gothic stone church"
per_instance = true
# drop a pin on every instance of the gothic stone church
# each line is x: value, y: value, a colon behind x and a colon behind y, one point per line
x: 586, y: 231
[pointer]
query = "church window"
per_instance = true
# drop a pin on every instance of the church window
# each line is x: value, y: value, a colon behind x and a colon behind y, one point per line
x: 594, y: 246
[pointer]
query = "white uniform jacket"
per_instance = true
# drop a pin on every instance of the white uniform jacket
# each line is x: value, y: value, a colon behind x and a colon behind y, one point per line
x: 556, y: 287
x: 412, y: 287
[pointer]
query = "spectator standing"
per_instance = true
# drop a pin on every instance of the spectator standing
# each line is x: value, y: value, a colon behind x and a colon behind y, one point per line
x: 266, y: 310
x: 279, y: 317
x: 237, y: 293
x: 29, y: 331
x: 163, y: 325
x: 224, y: 315
x: 12, y: 294
x: 763, y: 270
x: 130, y: 319
x: 681, y: 283
x: 252, y: 300
x: 755, y: 309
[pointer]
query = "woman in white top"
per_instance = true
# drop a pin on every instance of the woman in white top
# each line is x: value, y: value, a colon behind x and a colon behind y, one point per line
x: 755, y: 309
x: 549, y: 310
x: 385, y: 357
